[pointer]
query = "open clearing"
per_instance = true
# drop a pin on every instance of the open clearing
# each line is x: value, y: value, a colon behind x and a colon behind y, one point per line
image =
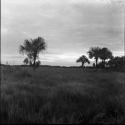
x: 62, y: 95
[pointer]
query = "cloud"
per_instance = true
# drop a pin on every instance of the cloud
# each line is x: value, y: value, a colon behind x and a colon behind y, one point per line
x: 69, y: 27
x: 4, y: 30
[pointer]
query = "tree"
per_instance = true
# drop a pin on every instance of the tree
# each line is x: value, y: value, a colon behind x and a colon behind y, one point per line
x: 38, y: 63
x: 117, y: 63
x: 32, y: 48
x: 26, y: 61
x: 105, y: 54
x: 94, y: 52
x: 83, y: 59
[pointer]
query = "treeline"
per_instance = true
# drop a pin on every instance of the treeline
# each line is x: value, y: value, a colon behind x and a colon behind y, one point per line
x: 103, y: 59
x: 103, y: 56
x: 117, y: 63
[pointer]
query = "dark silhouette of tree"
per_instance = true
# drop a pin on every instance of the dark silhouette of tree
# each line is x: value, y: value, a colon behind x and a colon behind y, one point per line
x: 38, y: 63
x: 105, y: 54
x: 26, y: 61
x: 94, y: 52
x: 117, y: 63
x: 83, y: 59
x: 32, y: 48
x: 94, y: 65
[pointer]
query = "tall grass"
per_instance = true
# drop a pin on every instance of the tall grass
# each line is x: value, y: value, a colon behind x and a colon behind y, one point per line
x: 60, y: 95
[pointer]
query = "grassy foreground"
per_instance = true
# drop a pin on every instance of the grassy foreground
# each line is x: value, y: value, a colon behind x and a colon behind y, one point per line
x: 62, y: 95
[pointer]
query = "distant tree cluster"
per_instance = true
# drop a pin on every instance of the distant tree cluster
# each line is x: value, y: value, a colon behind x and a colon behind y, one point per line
x: 32, y: 48
x: 117, y: 63
x: 103, y: 54
x: 106, y: 57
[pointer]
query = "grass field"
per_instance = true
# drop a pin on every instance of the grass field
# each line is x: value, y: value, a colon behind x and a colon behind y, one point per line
x: 62, y: 95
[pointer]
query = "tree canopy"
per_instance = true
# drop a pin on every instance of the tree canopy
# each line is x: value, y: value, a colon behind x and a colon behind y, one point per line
x: 32, y: 48
x: 105, y: 54
x: 83, y: 59
x: 94, y: 52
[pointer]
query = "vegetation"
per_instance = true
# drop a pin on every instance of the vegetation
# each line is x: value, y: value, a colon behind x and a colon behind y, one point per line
x: 108, y: 61
x: 94, y: 52
x: 54, y: 95
x: 105, y: 54
x: 100, y: 53
x: 83, y: 59
x: 62, y: 95
x: 32, y: 48
x: 26, y: 61
x: 117, y: 63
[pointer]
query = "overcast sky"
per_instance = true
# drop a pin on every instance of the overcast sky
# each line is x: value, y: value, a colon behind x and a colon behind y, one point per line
x: 70, y: 28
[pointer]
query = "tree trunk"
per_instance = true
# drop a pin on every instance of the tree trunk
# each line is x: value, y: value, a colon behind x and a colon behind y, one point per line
x: 103, y: 63
x: 82, y: 65
x: 34, y: 61
x: 30, y: 63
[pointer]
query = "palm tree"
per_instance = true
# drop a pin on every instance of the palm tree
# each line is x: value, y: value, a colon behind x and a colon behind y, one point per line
x: 32, y: 48
x: 83, y: 59
x: 94, y: 52
x: 105, y: 54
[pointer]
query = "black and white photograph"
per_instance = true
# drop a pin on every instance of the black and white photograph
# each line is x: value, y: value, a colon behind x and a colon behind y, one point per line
x: 62, y: 62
